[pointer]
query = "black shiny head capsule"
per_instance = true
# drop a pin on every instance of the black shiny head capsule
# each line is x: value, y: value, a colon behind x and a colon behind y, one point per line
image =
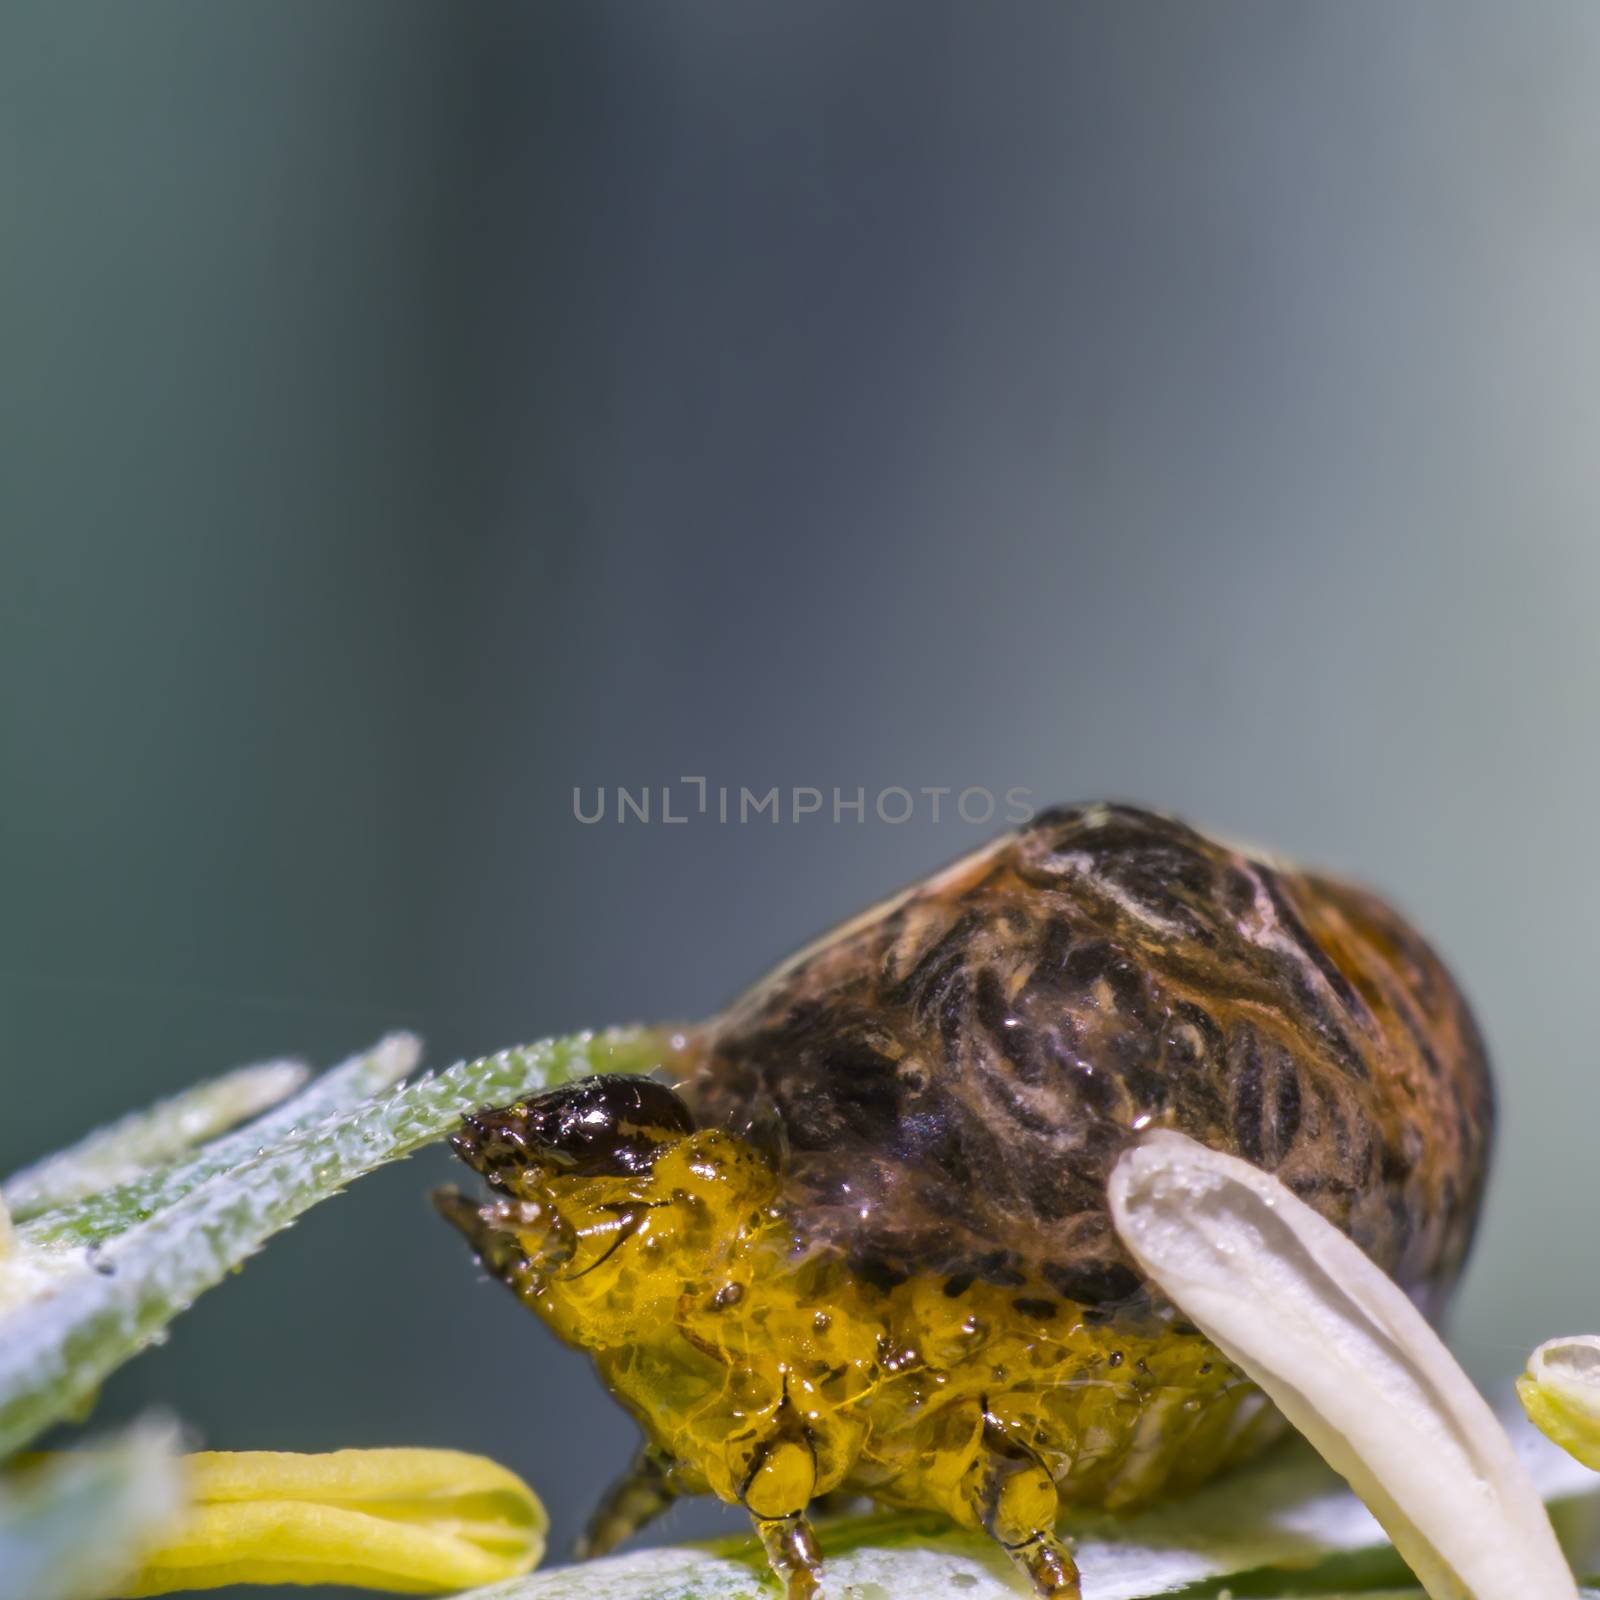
x: 609, y: 1126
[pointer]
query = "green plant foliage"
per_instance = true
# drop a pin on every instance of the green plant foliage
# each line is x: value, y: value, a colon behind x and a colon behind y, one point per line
x: 141, y: 1140
x: 70, y: 1316
x: 73, y: 1526
x: 105, y: 1214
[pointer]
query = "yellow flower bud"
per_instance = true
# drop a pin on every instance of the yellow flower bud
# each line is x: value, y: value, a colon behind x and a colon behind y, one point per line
x: 1560, y: 1391
x: 406, y: 1521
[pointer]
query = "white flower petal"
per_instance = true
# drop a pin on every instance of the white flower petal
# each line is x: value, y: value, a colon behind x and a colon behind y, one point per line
x: 1348, y: 1359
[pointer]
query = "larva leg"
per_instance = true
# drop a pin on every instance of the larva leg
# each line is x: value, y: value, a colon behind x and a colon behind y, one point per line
x: 514, y: 1239
x: 638, y: 1497
x: 1014, y: 1499
x: 777, y: 1492
x: 792, y: 1553
x: 495, y: 1246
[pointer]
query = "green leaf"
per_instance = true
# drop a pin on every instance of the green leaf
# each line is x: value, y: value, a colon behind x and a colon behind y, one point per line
x: 74, y: 1526
x: 127, y: 1147
x: 341, y: 1088
x: 80, y: 1314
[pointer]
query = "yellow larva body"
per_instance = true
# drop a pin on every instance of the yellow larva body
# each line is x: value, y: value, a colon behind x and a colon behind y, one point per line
x: 713, y: 1331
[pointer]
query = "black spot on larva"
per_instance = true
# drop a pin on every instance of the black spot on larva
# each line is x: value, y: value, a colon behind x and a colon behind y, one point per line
x: 1092, y: 1283
x: 1419, y: 1034
x: 1338, y: 1123
x: 868, y: 1098
x: 942, y: 957
x: 1147, y: 1088
x: 1286, y: 1109
x: 1201, y: 1111
x: 1041, y: 1310
x: 998, y: 1088
x: 1289, y: 921
x: 1393, y: 1166
x: 1236, y: 890
x: 1030, y: 1053
x: 990, y: 1003
x: 1091, y: 963
x: 1244, y: 1065
x: 1000, y: 1267
x: 1055, y: 945
x: 878, y: 1273
x: 957, y: 1286
x: 1311, y: 1186
x: 1095, y: 1087
x: 953, y: 1013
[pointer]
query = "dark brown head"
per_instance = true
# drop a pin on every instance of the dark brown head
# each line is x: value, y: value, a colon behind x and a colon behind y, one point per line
x: 609, y: 1126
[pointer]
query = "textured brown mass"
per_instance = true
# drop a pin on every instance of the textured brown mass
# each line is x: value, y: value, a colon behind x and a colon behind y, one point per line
x: 946, y: 1081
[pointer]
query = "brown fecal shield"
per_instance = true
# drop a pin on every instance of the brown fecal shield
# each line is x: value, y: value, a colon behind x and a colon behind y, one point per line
x: 945, y: 1082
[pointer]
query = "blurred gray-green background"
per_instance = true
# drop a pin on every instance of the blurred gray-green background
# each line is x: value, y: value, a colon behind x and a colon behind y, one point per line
x: 413, y: 411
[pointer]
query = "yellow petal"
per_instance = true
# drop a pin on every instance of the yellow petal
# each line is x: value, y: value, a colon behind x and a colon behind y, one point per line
x: 406, y: 1521
x: 1560, y: 1391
